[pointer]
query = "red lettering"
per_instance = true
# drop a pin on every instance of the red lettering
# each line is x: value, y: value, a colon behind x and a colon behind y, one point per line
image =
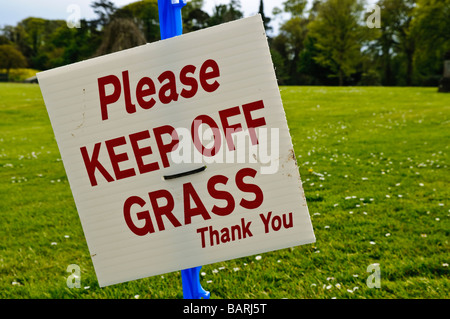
x: 227, y: 128
x: 188, y: 193
x: 202, y: 232
x: 108, y: 99
x: 141, y: 152
x: 197, y: 141
x: 92, y: 164
x: 251, y: 122
x: 141, y: 93
x: 249, y: 188
x: 129, y: 106
x: 170, y: 86
x: 166, y: 148
x: 165, y: 210
x: 218, y: 194
x: 167, y: 93
x: 163, y: 204
x: 190, y: 81
x: 212, y: 74
x: 144, y: 215
x: 117, y: 158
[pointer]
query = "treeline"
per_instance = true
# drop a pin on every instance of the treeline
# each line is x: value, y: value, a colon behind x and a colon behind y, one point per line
x: 332, y: 42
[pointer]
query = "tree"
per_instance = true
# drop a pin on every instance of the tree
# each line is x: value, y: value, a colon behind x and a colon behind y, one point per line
x: 397, y: 41
x: 145, y: 15
x: 70, y: 45
x: 290, y: 41
x: 104, y: 10
x: 312, y: 72
x: 338, y: 36
x: 386, y: 41
x: 120, y: 34
x: 4, y: 40
x: 432, y: 21
x: 266, y: 20
x: 32, y: 37
x: 280, y: 67
x: 226, y: 13
x: 194, y: 18
x: 407, y: 42
x: 10, y: 58
x: 431, y: 25
x: 295, y: 7
x: 294, y: 32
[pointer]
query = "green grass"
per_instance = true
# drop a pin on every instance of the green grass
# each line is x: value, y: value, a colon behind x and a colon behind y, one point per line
x: 374, y: 165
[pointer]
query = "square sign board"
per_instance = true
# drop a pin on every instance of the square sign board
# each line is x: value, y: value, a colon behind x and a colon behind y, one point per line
x: 178, y: 152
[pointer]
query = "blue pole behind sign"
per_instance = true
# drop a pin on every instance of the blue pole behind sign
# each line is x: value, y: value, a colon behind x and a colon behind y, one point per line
x: 171, y: 25
x: 170, y: 22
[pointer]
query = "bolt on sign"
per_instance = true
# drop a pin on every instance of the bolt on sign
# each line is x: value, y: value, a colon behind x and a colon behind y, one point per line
x: 178, y: 152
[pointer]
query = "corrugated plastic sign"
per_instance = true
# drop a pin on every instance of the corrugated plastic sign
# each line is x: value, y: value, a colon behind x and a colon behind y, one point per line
x: 178, y: 152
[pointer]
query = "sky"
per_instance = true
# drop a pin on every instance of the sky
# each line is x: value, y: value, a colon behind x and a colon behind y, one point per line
x: 13, y: 11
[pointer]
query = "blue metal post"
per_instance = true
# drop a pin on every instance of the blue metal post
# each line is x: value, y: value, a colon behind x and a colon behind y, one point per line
x: 192, y: 289
x: 170, y: 22
x: 171, y: 25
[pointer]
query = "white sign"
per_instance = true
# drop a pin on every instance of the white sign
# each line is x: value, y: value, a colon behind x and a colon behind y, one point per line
x: 178, y: 152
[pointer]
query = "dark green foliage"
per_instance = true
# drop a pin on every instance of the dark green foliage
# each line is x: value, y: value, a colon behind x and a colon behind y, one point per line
x: 326, y: 43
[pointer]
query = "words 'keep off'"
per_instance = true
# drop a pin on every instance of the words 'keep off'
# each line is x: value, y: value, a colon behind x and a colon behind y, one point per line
x: 118, y: 120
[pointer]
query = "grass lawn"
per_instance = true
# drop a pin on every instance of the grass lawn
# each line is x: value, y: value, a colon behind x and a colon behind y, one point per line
x: 374, y: 165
